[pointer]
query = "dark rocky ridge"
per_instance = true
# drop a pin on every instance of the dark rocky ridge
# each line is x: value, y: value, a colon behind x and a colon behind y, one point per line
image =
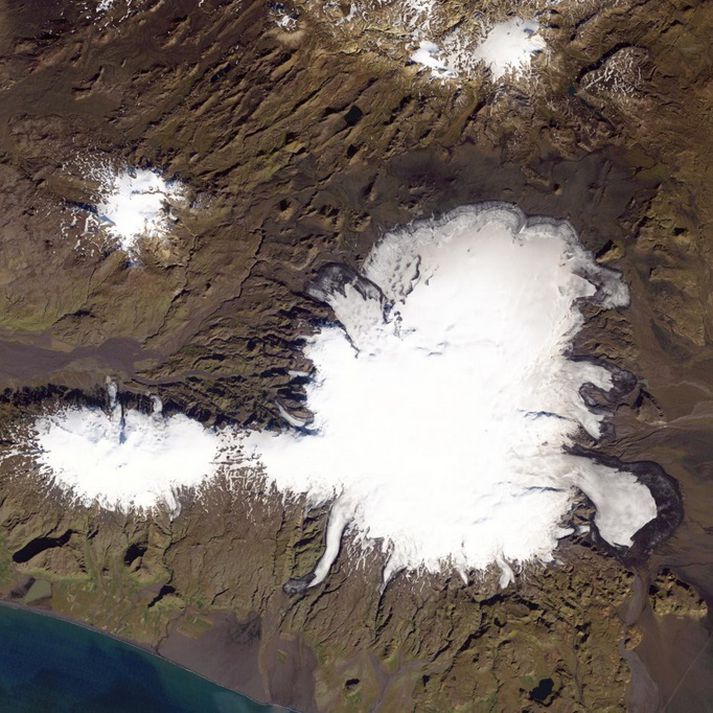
x: 299, y: 161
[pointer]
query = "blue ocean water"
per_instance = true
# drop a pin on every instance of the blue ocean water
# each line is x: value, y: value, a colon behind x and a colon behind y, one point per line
x: 51, y: 666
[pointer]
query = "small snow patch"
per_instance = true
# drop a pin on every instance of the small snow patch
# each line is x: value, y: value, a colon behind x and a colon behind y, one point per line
x: 509, y: 46
x: 138, y: 204
x: 105, y: 8
x: 284, y: 18
x: 131, y: 205
x: 286, y: 22
x: 427, y: 55
x: 620, y: 79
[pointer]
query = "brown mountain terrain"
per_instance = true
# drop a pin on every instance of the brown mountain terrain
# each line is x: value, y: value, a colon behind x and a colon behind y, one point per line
x: 300, y: 146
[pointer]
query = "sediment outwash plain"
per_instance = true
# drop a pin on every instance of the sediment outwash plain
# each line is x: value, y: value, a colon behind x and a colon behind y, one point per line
x: 300, y: 136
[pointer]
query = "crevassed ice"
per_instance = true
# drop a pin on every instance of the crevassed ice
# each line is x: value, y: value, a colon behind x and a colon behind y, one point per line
x: 443, y: 398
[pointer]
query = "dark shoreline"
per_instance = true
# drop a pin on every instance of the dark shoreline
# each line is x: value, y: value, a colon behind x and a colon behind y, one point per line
x: 143, y: 648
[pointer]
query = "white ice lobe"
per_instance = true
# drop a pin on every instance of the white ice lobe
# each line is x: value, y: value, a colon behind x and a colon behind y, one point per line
x: 124, y: 458
x: 444, y: 397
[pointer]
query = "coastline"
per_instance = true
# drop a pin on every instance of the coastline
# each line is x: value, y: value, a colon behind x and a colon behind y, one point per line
x: 142, y: 648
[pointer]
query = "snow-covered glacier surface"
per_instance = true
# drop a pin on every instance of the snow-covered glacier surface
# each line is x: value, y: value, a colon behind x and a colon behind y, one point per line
x: 443, y: 398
